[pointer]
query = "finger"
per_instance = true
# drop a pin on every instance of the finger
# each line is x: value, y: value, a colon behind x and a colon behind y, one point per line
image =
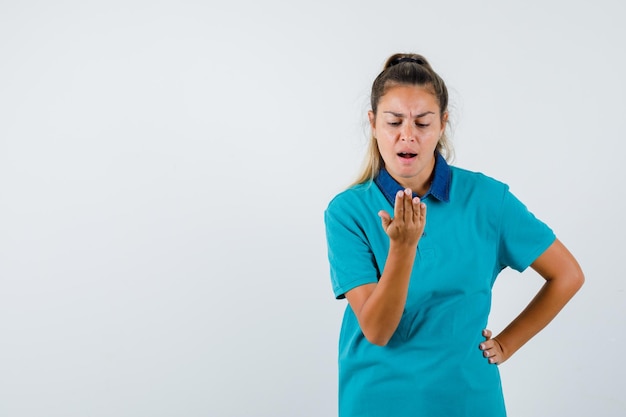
x: 494, y: 360
x: 385, y: 219
x: 489, y: 345
x: 487, y: 334
x: 398, y: 208
x: 417, y: 209
x: 408, y: 205
x: 492, y: 350
x: 492, y: 355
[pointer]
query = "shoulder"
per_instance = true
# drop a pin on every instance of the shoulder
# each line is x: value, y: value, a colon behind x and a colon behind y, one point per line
x: 476, y: 177
x: 463, y: 179
x: 356, y: 208
x: 355, y: 195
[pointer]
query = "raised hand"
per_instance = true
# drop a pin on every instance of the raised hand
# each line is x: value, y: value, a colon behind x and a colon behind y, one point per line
x: 408, y: 221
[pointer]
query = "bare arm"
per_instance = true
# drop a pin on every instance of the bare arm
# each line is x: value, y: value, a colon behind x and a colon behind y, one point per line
x: 563, y: 279
x: 378, y: 307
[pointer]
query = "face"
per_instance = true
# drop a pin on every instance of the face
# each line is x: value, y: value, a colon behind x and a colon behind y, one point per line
x: 407, y: 127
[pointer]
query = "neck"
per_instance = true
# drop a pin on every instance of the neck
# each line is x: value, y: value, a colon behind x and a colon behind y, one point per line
x: 421, y: 184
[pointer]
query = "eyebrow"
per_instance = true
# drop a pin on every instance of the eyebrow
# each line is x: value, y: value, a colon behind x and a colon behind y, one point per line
x: 402, y: 115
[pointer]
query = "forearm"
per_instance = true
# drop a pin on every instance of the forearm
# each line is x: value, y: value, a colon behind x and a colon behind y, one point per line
x: 550, y: 299
x: 381, y: 313
x: 379, y: 307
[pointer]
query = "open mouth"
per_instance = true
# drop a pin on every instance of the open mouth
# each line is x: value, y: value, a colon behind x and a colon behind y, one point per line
x: 407, y: 155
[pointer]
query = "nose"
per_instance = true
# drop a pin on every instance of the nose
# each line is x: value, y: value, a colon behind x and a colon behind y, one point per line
x: 407, y: 133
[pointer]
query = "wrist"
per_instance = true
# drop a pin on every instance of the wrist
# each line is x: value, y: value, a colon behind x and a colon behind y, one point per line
x: 403, y: 247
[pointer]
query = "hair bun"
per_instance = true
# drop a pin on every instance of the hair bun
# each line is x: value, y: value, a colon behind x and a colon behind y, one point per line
x: 401, y: 59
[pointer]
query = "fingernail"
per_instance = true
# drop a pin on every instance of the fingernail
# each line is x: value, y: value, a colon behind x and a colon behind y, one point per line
x: 407, y: 191
x: 482, y: 346
x: 399, y: 194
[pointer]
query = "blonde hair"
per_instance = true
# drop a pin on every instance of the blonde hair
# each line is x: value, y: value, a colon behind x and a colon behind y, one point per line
x: 411, y: 69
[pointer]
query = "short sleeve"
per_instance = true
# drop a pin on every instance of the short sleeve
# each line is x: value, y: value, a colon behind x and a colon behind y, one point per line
x: 352, y: 261
x: 523, y: 237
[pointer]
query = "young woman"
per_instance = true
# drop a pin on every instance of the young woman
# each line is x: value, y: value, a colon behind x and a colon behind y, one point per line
x: 415, y: 246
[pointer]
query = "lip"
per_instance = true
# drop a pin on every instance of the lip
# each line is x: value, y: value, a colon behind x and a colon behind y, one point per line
x: 406, y: 160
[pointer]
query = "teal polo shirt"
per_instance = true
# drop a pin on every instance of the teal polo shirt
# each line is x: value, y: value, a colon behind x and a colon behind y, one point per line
x: 432, y: 366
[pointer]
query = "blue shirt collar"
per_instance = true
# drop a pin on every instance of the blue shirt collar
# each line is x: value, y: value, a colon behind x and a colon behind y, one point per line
x: 439, y: 188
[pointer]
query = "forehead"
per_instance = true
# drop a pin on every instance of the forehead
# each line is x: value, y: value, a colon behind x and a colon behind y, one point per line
x: 401, y: 98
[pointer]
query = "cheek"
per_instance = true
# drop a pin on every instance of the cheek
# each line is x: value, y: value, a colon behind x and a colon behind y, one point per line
x: 436, y: 132
x: 384, y: 148
x: 385, y: 133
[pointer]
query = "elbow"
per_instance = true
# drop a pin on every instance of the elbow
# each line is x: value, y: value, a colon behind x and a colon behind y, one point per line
x: 379, y: 342
x: 578, y: 280
x: 574, y: 281
x: 378, y: 331
x: 575, y: 275
x: 566, y: 274
x: 377, y: 338
x: 382, y: 342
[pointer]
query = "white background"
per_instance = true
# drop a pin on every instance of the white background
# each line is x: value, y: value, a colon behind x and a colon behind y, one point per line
x: 164, y: 167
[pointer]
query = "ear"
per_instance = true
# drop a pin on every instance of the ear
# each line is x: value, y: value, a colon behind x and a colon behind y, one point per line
x: 372, y: 118
x: 444, y: 121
